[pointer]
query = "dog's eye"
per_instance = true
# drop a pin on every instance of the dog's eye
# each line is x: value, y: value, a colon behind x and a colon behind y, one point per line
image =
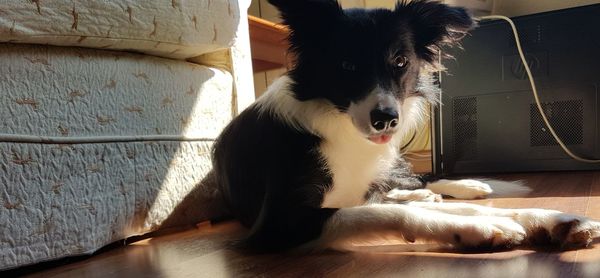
x: 348, y: 66
x: 400, y: 61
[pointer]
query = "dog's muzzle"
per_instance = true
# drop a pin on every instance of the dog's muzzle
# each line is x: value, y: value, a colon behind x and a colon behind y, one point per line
x: 384, y: 121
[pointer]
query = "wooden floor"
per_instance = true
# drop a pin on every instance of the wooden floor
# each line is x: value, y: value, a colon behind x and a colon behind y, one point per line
x: 204, y: 252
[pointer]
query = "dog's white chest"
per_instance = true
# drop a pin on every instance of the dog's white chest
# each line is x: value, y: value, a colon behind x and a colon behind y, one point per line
x: 354, y: 166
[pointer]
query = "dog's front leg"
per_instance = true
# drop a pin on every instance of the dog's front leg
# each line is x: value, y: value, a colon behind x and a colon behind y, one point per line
x: 543, y: 226
x: 400, y: 185
x: 367, y: 223
x: 462, y: 189
x: 420, y: 195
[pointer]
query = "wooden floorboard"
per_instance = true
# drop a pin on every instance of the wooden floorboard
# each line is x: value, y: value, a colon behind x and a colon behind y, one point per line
x: 206, y: 251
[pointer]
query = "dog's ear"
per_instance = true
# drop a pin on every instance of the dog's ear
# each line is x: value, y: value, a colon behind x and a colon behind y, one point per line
x: 434, y: 24
x: 308, y: 19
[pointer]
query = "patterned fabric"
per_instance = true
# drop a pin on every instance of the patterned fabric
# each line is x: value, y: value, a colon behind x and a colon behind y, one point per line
x: 68, y: 199
x: 59, y: 200
x: 177, y: 29
x: 65, y: 200
x: 70, y: 92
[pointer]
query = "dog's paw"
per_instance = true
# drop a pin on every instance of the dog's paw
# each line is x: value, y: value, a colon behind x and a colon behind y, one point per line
x: 421, y: 195
x: 488, y: 232
x: 559, y: 229
x: 461, y: 189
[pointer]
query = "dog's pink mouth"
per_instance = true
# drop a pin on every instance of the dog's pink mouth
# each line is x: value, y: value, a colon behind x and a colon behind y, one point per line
x: 380, y: 139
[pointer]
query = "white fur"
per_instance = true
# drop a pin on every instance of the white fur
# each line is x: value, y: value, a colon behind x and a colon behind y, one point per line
x: 462, y: 189
x: 414, y: 114
x: 422, y: 195
x: 354, y: 163
x: 473, y: 189
x: 507, y: 188
x: 278, y: 101
x: 365, y: 224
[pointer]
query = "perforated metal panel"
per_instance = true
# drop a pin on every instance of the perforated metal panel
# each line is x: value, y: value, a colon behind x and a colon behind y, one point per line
x: 465, y: 128
x: 566, y: 117
x: 529, y: 35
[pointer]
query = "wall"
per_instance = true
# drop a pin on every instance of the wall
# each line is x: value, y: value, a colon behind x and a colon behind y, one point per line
x: 523, y: 7
x: 262, y: 9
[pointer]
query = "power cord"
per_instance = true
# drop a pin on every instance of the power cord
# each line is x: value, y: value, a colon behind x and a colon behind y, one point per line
x: 535, y: 92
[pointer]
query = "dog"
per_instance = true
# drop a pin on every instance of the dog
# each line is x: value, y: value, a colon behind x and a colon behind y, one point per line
x: 314, y: 162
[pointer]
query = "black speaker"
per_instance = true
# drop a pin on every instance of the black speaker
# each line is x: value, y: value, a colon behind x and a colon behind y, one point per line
x: 488, y: 121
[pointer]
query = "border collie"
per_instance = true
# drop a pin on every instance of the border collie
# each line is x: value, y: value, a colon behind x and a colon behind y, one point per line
x: 315, y: 163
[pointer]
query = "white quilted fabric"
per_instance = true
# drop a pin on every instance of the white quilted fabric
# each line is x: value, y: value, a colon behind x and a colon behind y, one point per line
x: 177, y: 29
x: 58, y: 200
x: 71, y: 92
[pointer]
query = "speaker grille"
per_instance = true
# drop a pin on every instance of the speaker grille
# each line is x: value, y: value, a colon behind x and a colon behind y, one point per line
x: 566, y: 117
x: 465, y: 128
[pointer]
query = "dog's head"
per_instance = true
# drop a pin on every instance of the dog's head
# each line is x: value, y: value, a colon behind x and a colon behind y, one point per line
x: 369, y: 63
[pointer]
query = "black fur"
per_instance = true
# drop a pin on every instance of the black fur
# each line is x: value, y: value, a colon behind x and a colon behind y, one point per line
x: 342, y: 55
x: 273, y: 176
x: 273, y: 179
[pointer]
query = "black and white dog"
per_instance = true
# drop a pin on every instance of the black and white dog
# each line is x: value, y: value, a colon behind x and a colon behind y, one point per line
x: 314, y: 162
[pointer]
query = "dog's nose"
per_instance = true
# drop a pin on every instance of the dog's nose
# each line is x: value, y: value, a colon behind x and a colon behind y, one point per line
x: 382, y: 119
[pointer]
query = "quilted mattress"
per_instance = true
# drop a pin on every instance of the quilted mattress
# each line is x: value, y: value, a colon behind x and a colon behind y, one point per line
x: 177, y: 29
x: 97, y: 146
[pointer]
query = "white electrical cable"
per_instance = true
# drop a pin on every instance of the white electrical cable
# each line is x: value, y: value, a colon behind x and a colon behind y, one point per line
x: 535, y: 92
